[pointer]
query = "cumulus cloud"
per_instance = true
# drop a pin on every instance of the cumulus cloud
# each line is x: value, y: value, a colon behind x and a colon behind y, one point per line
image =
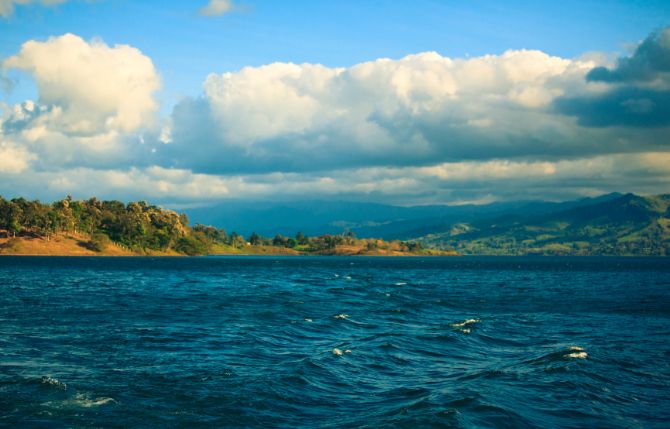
x: 93, y: 86
x: 7, y: 6
x: 420, y: 109
x: 95, y: 101
x: 217, y: 7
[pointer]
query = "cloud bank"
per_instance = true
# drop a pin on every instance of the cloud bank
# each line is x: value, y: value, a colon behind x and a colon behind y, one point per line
x: 420, y: 129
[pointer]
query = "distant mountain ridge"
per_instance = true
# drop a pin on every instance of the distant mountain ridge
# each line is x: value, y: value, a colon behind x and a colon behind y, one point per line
x: 609, y: 224
x: 317, y: 217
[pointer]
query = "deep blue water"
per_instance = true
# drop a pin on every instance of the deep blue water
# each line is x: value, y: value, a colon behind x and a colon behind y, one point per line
x: 334, y: 342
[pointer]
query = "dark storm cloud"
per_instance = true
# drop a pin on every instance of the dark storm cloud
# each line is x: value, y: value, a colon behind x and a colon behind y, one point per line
x: 626, y: 107
x: 650, y: 61
x: 639, y: 95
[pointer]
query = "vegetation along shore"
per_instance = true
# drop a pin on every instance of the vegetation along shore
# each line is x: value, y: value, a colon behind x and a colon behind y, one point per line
x: 111, y: 228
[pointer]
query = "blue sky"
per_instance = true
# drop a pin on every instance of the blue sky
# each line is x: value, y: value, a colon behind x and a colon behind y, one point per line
x: 147, y: 99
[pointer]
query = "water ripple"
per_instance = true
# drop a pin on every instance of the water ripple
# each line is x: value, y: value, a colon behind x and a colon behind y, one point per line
x: 334, y: 342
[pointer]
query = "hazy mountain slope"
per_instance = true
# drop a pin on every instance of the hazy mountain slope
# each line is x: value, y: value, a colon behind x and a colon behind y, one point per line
x: 624, y: 225
x: 364, y: 219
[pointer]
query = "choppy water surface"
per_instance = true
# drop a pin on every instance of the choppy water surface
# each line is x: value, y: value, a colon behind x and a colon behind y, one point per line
x: 334, y: 342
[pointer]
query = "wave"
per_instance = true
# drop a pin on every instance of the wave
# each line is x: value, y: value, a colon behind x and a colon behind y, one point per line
x: 81, y: 400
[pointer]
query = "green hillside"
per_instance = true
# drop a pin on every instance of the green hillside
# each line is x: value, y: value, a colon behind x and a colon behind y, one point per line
x: 626, y: 225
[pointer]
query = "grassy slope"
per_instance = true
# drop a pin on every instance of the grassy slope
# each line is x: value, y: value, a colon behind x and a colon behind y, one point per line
x: 64, y: 245
x: 59, y: 245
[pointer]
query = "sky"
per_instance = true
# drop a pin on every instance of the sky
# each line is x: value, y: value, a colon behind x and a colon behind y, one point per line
x: 422, y: 102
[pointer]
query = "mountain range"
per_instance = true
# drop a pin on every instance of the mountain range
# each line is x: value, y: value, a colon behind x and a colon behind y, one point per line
x: 611, y: 224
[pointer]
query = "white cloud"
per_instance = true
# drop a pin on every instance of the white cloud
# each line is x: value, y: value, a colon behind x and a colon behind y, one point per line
x: 93, y: 87
x: 421, y: 109
x: 217, y: 7
x: 95, y: 101
x: 285, y: 98
x: 7, y: 6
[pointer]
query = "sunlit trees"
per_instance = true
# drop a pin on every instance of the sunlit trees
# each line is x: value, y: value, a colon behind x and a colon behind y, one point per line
x: 137, y: 225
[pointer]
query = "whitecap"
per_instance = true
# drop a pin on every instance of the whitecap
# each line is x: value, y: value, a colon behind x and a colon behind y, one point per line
x: 464, y: 323
x: 339, y: 352
x: 307, y: 319
x: 576, y: 352
x: 341, y: 316
x: 400, y: 284
x: 81, y: 400
x: 53, y: 382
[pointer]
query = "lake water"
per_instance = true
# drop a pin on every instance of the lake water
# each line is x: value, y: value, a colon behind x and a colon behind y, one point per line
x: 334, y: 342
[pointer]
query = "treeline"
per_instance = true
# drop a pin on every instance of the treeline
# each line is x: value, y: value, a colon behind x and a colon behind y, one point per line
x: 140, y: 227
x: 323, y: 244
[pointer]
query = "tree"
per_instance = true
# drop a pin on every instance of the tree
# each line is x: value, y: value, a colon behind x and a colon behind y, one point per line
x: 279, y: 240
x: 236, y: 240
x: 255, y: 239
x: 15, y: 216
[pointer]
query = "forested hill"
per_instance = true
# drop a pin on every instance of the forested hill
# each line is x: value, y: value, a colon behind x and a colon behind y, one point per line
x: 141, y: 228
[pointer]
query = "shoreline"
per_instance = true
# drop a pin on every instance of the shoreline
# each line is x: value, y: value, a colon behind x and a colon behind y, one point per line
x: 71, y: 245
